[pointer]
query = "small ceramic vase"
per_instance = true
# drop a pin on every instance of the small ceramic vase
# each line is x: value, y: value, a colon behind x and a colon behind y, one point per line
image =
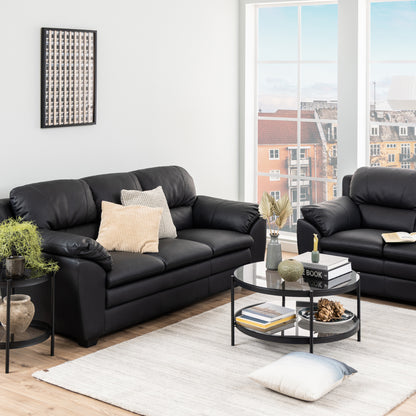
x: 22, y: 311
x: 290, y: 270
x: 274, y: 253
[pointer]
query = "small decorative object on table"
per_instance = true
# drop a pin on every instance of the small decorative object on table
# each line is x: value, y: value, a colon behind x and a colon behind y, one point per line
x: 315, y: 252
x: 22, y: 311
x: 329, y: 310
x: 290, y: 270
x: 282, y: 209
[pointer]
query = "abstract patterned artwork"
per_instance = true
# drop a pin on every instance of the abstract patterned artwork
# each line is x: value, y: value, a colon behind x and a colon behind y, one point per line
x: 68, y: 77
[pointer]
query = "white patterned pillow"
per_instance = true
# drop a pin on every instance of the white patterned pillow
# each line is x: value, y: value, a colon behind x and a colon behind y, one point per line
x: 302, y: 375
x: 155, y: 198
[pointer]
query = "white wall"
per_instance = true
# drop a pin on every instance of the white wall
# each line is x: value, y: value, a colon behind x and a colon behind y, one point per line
x: 167, y: 91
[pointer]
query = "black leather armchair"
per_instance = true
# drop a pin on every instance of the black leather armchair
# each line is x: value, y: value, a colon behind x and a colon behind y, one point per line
x: 99, y: 292
x: 375, y: 200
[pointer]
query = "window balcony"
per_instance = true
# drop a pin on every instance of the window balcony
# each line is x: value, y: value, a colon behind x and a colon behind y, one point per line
x: 301, y: 203
x: 303, y: 162
x: 302, y: 182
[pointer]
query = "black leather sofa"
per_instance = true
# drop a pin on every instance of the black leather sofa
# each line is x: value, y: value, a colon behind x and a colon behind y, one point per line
x: 99, y: 292
x: 374, y: 200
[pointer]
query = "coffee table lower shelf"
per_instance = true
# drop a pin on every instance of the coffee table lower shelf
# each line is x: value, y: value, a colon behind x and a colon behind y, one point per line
x: 345, y: 331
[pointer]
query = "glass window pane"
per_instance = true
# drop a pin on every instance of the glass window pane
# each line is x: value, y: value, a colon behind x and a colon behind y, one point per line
x: 393, y: 30
x: 393, y: 86
x: 277, y: 89
x: 319, y: 32
x: 277, y: 33
x: 319, y: 83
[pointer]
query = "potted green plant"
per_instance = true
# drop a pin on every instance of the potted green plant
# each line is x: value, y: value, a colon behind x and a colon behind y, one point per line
x: 20, y: 249
x: 276, y: 213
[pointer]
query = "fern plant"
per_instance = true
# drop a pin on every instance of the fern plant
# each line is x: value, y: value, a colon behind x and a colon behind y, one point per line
x: 269, y: 207
x: 21, y: 238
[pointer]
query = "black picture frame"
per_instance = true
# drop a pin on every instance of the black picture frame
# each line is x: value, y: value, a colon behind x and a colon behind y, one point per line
x: 68, y: 77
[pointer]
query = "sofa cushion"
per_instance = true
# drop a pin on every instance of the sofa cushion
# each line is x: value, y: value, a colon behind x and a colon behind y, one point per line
x: 107, y: 187
x: 401, y: 270
x: 361, y: 241
x: 54, y: 204
x: 405, y: 253
x: 220, y: 241
x: 389, y: 187
x: 332, y: 216
x: 374, y: 216
x: 176, y: 182
x: 178, y: 253
x: 130, y: 267
x: 149, y: 286
x: 134, y: 228
x: 153, y: 198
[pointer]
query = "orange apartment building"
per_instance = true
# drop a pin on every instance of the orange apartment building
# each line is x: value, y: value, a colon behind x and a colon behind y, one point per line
x: 278, y: 154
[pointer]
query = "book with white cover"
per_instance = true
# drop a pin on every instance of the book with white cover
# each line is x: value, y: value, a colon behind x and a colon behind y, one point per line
x: 327, y: 274
x: 326, y: 261
x: 268, y: 312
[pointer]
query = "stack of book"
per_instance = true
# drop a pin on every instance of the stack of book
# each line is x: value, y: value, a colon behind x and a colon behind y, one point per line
x: 267, y: 317
x: 329, y: 272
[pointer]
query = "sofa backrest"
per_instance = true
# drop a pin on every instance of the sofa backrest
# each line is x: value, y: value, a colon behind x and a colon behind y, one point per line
x: 74, y: 205
x: 107, y: 187
x: 179, y: 188
x: 386, y: 197
x: 55, y: 205
x: 5, y: 209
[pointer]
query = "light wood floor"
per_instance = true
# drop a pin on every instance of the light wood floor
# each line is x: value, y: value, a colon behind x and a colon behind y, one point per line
x: 21, y: 394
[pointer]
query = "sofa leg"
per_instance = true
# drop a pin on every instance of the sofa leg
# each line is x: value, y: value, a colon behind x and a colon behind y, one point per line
x: 88, y: 342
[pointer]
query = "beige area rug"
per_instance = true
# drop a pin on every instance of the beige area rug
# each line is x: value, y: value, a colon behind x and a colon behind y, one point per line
x: 189, y: 368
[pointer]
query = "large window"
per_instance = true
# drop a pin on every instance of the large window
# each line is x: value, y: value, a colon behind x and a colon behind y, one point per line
x: 296, y: 58
x: 393, y: 82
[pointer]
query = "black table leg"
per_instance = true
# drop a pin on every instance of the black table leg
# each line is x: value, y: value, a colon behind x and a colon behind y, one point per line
x: 8, y: 294
x: 52, y: 284
x: 232, y: 311
x: 311, y: 323
x: 359, y: 310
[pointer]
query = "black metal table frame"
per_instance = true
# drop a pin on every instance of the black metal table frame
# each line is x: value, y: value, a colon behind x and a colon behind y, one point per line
x: 47, y: 330
x: 297, y: 339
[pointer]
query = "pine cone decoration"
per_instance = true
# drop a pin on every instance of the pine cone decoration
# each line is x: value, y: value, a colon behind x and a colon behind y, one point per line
x: 324, y: 314
x: 338, y: 310
x: 328, y: 310
x: 324, y: 303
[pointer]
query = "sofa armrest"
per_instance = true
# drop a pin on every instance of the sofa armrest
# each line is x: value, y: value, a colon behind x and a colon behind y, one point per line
x: 332, y: 216
x: 209, y: 212
x: 76, y: 246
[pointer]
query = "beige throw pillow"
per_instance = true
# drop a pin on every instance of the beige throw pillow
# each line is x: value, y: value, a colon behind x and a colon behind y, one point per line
x: 134, y: 229
x: 154, y: 198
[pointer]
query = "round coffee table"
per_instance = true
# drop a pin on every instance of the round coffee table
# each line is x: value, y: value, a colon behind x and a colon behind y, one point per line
x: 256, y: 278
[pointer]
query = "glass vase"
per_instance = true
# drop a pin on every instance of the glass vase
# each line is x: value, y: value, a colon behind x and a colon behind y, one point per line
x: 274, y: 252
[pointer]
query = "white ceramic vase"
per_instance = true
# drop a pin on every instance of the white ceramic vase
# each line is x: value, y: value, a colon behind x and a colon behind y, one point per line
x: 22, y: 311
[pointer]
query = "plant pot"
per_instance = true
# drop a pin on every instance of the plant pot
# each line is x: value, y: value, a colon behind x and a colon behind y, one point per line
x: 290, y: 270
x: 274, y: 253
x: 15, y: 266
x: 22, y: 311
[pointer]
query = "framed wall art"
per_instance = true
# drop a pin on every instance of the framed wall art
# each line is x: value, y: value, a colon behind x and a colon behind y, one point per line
x: 68, y: 77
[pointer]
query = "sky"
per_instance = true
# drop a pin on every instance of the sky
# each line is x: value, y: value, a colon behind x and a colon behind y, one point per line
x: 393, y: 33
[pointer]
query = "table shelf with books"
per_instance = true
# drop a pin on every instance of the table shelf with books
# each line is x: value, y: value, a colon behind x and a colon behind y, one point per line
x: 299, y: 330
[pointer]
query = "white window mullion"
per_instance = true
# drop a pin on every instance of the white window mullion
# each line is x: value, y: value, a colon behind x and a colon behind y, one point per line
x: 353, y: 88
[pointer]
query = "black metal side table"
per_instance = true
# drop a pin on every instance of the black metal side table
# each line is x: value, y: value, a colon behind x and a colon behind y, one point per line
x: 38, y: 330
